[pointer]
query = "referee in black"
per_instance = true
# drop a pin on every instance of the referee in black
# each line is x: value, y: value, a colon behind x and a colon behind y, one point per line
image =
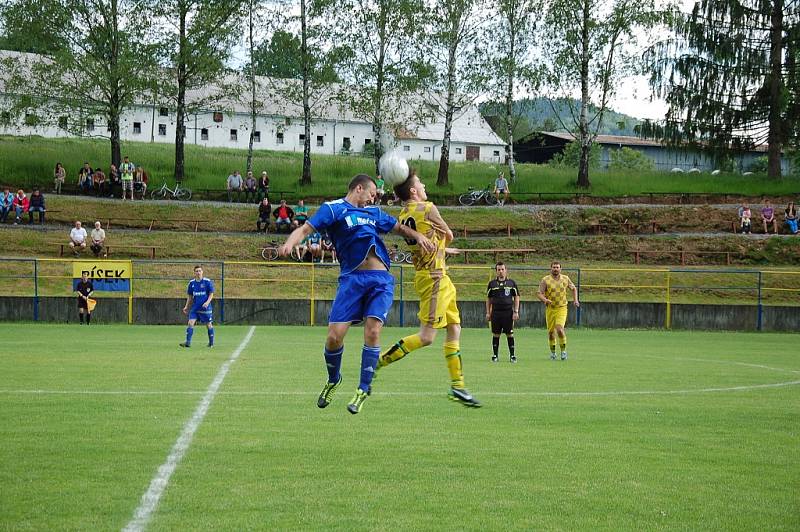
x: 502, y: 309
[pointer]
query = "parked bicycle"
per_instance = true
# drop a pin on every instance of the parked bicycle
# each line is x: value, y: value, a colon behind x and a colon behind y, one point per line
x: 474, y: 196
x: 270, y: 252
x: 179, y: 193
x: 397, y: 255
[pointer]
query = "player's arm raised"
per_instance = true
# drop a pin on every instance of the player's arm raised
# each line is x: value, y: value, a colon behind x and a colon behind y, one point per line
x: 406, y: 232
x: 295, y: 238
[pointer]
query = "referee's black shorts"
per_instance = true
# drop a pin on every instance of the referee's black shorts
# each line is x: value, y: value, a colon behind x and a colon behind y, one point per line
x: 503, y: 322
x: 82, y: 303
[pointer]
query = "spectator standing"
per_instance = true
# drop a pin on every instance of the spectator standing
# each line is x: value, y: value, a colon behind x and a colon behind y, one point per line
x: 6, y: 204
x: 234, y: 185
x: 21, y: 204
x: 501, y: 188
x: 263, y: 185
x: 264, y: 212
x: 140, y: 180
x: 126, y: 170
x: 59, y: 174
x: 77, y: 238
x: 99, y: 182
x: 283, y: 216
x: 36, y: 204
x: 768, y: 217
x: 380, y: 183
x: 84, y: 291
x: 745, y: 217
x: 790, y: 215
x: 250, y: 189
x: 300, y: 214
x: 98, y: 237
x: 113, y: 180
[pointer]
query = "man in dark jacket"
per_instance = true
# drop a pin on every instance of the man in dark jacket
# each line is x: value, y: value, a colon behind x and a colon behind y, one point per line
x: 36, y: 205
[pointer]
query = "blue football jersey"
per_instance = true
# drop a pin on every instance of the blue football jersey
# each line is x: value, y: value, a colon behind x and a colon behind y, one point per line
x: 199, y: 291
x: 354, y: 231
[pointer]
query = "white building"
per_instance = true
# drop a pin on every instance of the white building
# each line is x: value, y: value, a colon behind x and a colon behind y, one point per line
x: 279, y: 124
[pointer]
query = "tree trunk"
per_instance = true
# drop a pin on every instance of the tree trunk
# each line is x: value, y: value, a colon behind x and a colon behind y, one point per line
x: 776, y: 126
x: 444, y: 160
x: 252, y: 94
x: 512, y: 65
x: 114, y: 100
x: 583, y: 125
x: 377, y: 101
x: 306, y: 177
x: 180, y: 130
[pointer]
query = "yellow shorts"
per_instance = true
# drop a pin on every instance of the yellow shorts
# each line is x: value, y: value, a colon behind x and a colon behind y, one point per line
x: 555, y: 316
x: 437, y: 301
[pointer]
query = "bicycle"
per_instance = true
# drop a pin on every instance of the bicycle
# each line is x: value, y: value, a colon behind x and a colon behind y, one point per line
x: 474, y: 196
x: 397, y: 256
x: 270, y: 252
x: 179, y: 193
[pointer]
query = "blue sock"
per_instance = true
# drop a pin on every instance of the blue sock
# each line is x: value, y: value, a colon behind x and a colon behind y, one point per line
x: 369, y: 363
x: 189, y: 333
x: 333, y: 361
x: 211, y: 336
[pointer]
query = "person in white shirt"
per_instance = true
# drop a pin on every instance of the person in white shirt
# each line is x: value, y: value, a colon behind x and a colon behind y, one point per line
x: 501, y: 188
x: 77, y: 238
x: 98, y: 238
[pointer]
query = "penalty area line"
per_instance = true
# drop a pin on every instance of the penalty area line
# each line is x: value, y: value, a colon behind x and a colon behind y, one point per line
x: 151, y: 498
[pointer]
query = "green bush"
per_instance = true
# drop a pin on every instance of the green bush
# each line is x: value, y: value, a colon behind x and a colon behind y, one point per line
x: 759, y: 165
x: 629, y: 159
x: 571, y: 156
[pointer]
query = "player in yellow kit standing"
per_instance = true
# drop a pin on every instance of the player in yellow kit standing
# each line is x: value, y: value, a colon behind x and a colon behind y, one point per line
x: 553, y: 293
x: 437, y: 295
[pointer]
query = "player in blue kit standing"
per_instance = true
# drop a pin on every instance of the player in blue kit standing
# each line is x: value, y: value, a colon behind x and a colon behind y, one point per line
x: 198, y: 306
x: 366, y: 288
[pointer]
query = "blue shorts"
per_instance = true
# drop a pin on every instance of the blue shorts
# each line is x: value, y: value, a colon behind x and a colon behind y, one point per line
x: 362, y: 294
x: 203, y: 316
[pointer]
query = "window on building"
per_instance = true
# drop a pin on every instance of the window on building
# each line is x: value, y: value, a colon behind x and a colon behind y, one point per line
x: 162, y: 130
x: 302, y: 138
x: 279, y: 138
x: 320, y: 140
x: 427, y: 149
x: 287, y: 121
x: 5, y: 118
x: 406, y: 147
x: 62, y: 122
x: 90, y: 124
x: 108, y: 126
x: 204, y: 134
x: 367, y: 141
x: 137, y: 128
x: 163, y: 111
x: 497, y: 153
x: 217, y: 116
x: 256, y: 136
x: 458, y: 151
x: 234, y: 134
x: 346, y: 143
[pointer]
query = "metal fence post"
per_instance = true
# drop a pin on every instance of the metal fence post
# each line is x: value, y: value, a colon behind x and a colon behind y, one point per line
x: 313, y: 298
x: 578, y: 312
x: 668, y: 320
x: 402, y: 301
x: 35, y: 290
x: 222, y: 294
x: 760, y: 307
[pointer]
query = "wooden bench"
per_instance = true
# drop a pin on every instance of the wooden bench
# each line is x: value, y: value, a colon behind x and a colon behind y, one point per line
x: 107, y: 249
x: 496, y: 252
x: 681, y: 254
x: 507, y: 229
x: 599, y: 228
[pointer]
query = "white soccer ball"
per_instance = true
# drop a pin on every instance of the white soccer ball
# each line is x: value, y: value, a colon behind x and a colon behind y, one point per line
x: 393, y: 168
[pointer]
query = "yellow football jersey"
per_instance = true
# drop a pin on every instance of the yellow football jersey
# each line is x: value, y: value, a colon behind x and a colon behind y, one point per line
x: 422, y: 216
x: 556, y: 289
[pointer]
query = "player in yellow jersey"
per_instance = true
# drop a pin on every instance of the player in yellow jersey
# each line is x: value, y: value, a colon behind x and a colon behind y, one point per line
x: 437, y: 295
x: 553, y: 293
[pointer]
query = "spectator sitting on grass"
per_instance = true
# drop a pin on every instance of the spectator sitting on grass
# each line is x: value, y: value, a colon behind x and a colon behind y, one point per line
x: 113, y: 180
x: 283, y: 216
x: 36, y: 204
x: 790, y: 216
x: 77, y: 238
x: 744, y: 219
x: 263, y: 185
x: 140, y: 180
x: 300, y: 214
x: 21, y: 204
x: 59, y: 174
x: 98, y: 240
x: 234, y: 185
x: 99, y: 182
x: 768, y: 217
x: 250, y: 191
x: 264, y: 211
x: 6, y: 204
x: 85, y: 178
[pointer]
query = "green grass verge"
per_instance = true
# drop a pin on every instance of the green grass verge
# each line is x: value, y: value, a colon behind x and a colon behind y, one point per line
x: 30, y: 160
x: 684, y: 431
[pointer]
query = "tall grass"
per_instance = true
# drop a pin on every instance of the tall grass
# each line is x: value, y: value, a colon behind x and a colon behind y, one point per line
x: 25, y: 161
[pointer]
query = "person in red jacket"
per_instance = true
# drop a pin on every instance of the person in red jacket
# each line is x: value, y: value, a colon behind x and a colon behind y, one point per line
x: 21, y: 205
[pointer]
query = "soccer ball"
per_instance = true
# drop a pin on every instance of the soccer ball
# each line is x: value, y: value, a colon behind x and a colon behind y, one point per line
x: 393, y: 168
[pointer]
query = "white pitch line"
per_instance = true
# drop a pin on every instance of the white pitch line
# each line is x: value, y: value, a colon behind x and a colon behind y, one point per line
x: 279, y: 393
x: 151, y: 498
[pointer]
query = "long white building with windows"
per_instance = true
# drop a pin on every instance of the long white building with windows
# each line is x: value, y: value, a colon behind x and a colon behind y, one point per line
x: 279, y: 124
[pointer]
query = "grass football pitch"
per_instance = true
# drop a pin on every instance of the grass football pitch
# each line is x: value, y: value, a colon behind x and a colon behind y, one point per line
x: 638, y: 430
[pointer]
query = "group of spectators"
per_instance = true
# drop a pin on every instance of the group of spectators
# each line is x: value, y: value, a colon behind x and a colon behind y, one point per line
x: 286, y: 217
x: 125, y: 180
x: 21, y: 204
x: 769, y: 218
x: 254, y: 191
x: 79, y: 239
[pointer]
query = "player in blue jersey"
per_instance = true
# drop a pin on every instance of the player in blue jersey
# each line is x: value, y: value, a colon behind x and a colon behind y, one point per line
x: 198, y: 306
x: 366, y: 288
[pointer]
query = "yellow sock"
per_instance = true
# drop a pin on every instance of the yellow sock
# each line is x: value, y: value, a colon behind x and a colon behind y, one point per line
x: 452, y: 355
x: 563, y: 344
x: 553, y: 347
x: 400, y: 349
